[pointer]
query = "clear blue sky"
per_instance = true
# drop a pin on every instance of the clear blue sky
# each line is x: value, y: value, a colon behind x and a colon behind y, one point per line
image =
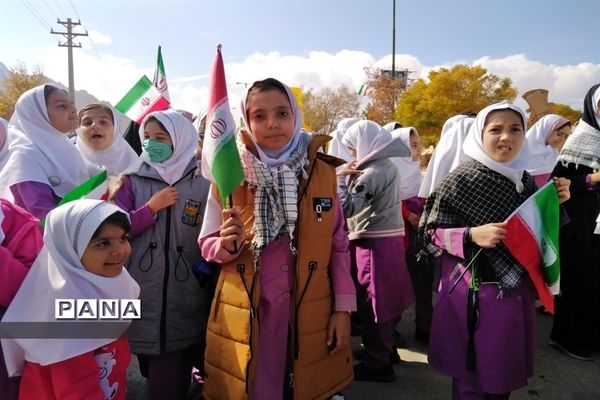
x: 437, y: 32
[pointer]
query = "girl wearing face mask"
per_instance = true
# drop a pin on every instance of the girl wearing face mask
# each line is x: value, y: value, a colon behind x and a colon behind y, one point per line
x: 485, y: 344
x: 576, y: 329
x: 165, y: 198
x: 545, y: 140
x: 100, y: 143
x: 43, y: 164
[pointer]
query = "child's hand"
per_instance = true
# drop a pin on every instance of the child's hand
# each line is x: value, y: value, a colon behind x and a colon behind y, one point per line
x: 338, y: 328
x: 232, y: 230
x: 163, y: 199
x: 349, y: 169
x: 413, y: 219
x: 562, y: 186
x: 489, y: 235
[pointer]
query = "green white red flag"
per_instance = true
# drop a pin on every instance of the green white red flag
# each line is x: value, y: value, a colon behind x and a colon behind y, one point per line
x: 142, y: 98
x: 532, y: 238
x: 160, y: 78
x: 220, y: 158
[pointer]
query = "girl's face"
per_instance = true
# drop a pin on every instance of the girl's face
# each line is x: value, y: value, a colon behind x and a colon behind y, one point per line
x: 558, y: 137
x: 62, y: 112
x: 270, y: 118
x: 415, y: 147
x: 106, y: 254
x: 154, y: 131
x: 97, y: 128
x: 503, y: 135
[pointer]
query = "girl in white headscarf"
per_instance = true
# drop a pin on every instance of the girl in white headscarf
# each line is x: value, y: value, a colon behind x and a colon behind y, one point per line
x: 483, y: 327
x: 85, y: 247
x: 3, y: 142
x: 284, y: 232
x: 43, y: 164
x: 100, y: 143
x: 545, y: 140
x: 165, y: 197
x: 336, y: 148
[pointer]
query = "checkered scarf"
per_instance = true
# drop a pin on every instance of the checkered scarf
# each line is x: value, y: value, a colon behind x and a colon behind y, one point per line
x: 582, y: 146
x: 474, y: 195
x: 276, y: 195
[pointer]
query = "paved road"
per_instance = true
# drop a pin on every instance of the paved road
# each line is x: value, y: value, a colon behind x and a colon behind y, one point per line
x: 557, y: 377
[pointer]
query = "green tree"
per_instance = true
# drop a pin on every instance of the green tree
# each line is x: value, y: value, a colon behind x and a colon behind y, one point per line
x: 18, y: 82
x: 427, y: 105
x: 324, y: 109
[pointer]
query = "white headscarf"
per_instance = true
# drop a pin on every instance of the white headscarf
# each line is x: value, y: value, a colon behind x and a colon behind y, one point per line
x: 270, y: 157
x: 542, y: 156
x: 368, y: 138
x: 595, y: 102
x: 473, y: 146
x: 116, y: 158
x: 184, y: 137
x: 391, y: 126
x: 336, y: 148
x: 409, y: 170
x: 38, y: 151
x: 3, y: 142
x: 57, y: 273
x: 448, y: 154
x: 450, y: 122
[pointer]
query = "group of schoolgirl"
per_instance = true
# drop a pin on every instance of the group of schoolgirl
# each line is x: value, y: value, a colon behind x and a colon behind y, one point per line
x: 279, y: 323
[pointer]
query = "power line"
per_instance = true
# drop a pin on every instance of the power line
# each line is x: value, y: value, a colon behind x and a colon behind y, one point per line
x: 51, y: 9
x: 74, y: 9
x: 59, y: 7
x: 37, y: 16
x: 69, y: 35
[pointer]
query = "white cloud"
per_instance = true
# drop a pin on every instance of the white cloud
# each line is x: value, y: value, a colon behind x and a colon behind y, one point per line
x: 96, y: 38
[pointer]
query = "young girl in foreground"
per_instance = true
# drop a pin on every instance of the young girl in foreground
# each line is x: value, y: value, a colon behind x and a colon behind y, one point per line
x: 85, y: 248
x: 487, y: 348
x: 279, y: 322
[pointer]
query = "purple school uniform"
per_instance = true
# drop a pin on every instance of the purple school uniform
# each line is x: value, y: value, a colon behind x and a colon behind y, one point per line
x: 276, y: 275
x: 505, y: 335
x: 35, y: 197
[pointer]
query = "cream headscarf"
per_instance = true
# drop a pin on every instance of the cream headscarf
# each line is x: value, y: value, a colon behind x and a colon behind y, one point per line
x: 184, y: 138
x: 542, y: 156
x: 336, y: 147
x: 57, y: 273
x: 408, y: 170
x: 116, y: 158
x: 473, y: 146
x: 38, y: 151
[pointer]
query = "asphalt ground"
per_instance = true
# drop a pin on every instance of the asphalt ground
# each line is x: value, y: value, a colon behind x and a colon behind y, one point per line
x: 556, y: 376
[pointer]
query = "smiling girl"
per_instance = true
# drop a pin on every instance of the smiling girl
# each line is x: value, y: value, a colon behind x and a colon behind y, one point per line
x: 486, y: 344
x: 43, y: 164
x: 85, y: 247
x: 99, y: 140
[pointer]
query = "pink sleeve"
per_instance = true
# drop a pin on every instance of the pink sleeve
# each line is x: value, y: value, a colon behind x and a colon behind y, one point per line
x: 450, y: 240
x: 339, y: 264
x: 211, y: 249
x: 77, y: 378
x: 141, y: 218
x: 35, y: 197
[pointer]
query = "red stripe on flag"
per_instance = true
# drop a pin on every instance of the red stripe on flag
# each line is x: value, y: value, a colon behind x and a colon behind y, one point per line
x: 217, y: 87
x: 524, y: 247
x: 161, y: 104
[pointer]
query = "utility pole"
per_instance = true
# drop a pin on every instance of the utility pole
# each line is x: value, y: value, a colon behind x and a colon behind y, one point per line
x: 69, y: 35
x: 394, y: 41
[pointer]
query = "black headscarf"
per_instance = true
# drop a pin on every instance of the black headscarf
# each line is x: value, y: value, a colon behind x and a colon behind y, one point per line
x: 589, y: 108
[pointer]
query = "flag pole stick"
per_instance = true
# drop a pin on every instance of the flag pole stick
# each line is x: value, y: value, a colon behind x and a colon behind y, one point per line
x: 468, y: 267
x: 235, y: 246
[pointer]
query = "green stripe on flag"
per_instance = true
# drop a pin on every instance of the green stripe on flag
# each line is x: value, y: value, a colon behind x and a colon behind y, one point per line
x: 547, y: 204
x: 226, y: 168
x: 136, y: 92
x: 86, y: 187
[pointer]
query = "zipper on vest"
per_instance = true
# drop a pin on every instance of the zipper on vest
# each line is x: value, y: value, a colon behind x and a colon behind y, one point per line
x: 312, y: 267
x: 241, y: 268
x: 163, y: 312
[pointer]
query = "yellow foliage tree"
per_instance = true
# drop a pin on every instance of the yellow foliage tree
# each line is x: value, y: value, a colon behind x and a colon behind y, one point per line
x: 324, y: 109
x: 427, y: 105
x: 566, y: 111
x: 18, y: 82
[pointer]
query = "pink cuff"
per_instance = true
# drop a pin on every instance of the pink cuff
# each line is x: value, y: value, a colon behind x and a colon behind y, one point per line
x: 450, y: 240
x: 345, y: 302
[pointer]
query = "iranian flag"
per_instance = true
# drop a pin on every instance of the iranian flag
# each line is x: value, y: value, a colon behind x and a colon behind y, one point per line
x: 362, y: 91
x: 532, y: 238
x: 143, y: 98
x: 160, y: 78
x: 94, y: 188
x: 220, y: 158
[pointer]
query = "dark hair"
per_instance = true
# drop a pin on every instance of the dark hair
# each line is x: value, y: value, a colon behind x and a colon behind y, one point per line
x: 265, y: 85
x: 93, y: 106
x: 49, y: 89
x: 469, y: 114
x: 160, y: 124
x: 117, y: 218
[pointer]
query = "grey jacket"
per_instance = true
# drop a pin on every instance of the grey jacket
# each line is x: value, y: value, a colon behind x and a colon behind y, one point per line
x: 174, y: 304
x: 371, y: 200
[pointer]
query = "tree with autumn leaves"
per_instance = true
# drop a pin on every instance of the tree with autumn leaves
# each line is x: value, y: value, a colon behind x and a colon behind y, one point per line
x: 19, y: 81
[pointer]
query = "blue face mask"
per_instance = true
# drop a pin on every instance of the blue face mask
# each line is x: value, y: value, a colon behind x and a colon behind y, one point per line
x: 157, y: 150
